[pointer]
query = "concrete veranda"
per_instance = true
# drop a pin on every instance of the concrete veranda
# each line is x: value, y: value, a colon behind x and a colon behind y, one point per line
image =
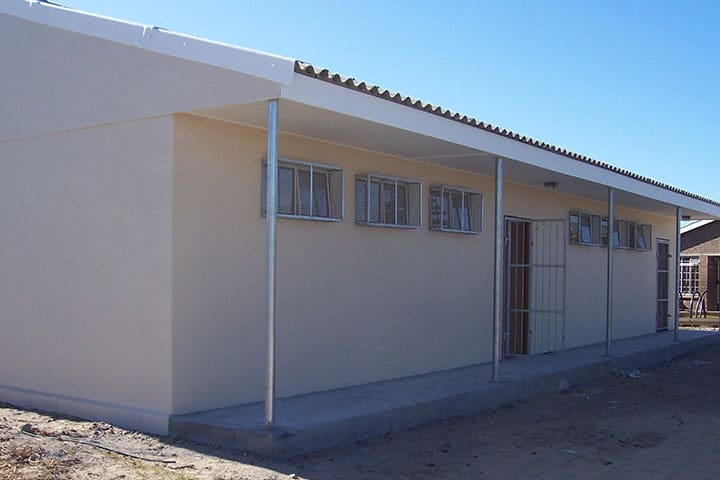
x: 320, y: 420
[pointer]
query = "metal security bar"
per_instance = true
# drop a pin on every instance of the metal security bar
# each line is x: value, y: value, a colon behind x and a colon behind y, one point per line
x: 388, y: 201
x: 535, y: 286
x: 547, y: 297
x: 517, y: 294
x: 663, y: 283
x: 455, y: 209
x: 305, y: 190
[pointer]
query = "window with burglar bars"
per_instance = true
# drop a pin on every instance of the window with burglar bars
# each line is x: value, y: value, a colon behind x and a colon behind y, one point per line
x: 643, y: 236
x: 455, y: 209
x: 387, y: 201
x: 689, y: 275
x: 591, y: 229
x: 585, y: 228
x: 307, y: 190
x: 620, y: 234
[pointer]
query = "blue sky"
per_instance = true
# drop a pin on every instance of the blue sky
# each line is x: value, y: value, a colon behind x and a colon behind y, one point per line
x: 632, y: 83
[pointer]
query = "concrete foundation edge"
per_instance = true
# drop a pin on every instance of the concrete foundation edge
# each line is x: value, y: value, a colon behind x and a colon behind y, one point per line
x: 124, y: 416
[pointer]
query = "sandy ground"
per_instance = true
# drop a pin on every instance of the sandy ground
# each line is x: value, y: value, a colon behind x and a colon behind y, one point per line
x: 657, y: 423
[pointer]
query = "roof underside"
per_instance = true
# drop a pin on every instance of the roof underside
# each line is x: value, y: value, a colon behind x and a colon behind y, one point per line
x: 326, y: 125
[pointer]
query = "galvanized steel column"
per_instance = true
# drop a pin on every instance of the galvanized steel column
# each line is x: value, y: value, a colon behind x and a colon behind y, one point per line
x: 270, y: 255
x: 499, y: 255
x: 677, y: 273
x: 609, y: 311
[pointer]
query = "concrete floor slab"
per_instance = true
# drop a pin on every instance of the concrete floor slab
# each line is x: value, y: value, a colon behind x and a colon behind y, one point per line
x: 321, y: 420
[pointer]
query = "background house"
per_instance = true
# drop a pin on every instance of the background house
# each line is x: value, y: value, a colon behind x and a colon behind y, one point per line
x: 700, y: 261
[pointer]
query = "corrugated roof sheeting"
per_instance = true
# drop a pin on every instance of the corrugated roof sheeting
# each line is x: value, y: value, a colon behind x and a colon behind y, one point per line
x: 326, y: 75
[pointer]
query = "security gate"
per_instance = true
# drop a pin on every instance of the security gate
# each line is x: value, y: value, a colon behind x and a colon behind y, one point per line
x: 663, y: 284
x: 534, y: 286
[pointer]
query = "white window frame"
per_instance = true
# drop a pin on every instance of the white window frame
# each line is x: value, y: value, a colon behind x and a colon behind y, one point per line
x: 310, y: 167
x: 385, y: 180
x: 594, y: 223
x: 641, y: 229
x: 440, y: 191
x: 689, y: 274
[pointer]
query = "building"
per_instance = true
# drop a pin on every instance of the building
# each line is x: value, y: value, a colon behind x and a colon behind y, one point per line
x: 143, y: 276
x: 700, y: 262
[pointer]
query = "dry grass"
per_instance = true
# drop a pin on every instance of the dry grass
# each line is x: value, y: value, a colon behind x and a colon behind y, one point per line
x: 26, y: 461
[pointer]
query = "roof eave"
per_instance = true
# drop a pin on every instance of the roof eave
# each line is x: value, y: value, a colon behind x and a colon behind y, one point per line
x: 155, y: 39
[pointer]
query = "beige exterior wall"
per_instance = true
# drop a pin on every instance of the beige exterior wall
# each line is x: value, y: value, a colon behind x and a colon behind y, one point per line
x: 85, y: 260
x: 134, y: 272
x: 355, y: 304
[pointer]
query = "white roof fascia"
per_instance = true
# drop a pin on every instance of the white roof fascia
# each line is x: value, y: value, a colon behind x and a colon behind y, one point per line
x: 694, y: 225
x: 328, y: 96
x: 250, y: 62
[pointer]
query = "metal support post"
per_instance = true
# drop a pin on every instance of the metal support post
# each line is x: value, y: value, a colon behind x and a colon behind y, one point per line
x: 271, y: 255
x: 676, y: 334
x: 609, y: 308
x: 499, y: 255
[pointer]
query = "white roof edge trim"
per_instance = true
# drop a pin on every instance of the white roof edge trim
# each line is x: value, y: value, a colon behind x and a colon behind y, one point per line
x: 694, y: 225
x: 250, y: 62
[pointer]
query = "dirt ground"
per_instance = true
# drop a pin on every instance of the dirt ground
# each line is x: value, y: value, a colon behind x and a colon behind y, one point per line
x: 662, y: 422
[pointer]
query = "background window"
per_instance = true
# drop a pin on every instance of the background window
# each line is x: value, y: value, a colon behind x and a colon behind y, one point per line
x: 689, y: 275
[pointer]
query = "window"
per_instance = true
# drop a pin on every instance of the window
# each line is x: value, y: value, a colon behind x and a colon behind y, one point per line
x: 455, y: 209
x: 590, y: 229
x: 307, y: 190
x: 643, y: 236
x: 632, y: 232
x: 620, y: 234
x: 585, y: 228
x: 604, y: 231
x: 387, y: 201
x: 574, y: 224
x: 689, y: 275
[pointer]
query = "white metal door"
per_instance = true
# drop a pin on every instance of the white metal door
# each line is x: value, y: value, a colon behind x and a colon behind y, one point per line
x: 663, y: 284
x: 535, y: 286
x: 547, y: 297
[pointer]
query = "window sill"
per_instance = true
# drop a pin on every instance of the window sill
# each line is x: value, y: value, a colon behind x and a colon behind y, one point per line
x: 604, y: 245
x: 388, y: 225
x: 306, y: 217
x: 462, y: 232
